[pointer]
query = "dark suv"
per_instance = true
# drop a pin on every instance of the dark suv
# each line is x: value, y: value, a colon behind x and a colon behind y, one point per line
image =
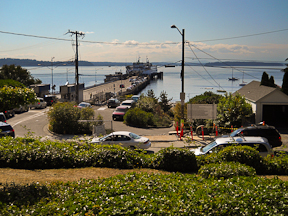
x: 6, y: 130
x: 50, y: 99
x: 269, y: 132
x: 113, y: 102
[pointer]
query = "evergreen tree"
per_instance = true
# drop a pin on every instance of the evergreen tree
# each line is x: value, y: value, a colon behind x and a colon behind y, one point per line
x: 265, y: 79
x: 285, y: 81
x: 164, y: 101
x: 272, y: 82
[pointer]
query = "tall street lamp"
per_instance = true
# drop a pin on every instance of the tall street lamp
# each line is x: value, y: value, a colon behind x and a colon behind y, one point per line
x: 182, y: 94
x: 52, y: 74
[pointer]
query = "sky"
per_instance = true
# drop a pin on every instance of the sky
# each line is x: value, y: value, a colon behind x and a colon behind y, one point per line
x: 124, y: 30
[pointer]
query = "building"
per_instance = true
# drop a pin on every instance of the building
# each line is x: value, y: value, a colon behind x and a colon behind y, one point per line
x: 68, y: 92
x: 269, y: 104
x: 40, y: 89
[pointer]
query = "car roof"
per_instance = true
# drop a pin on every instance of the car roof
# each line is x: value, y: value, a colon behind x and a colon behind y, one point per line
x: 128, y: 101
x: 121, y: 133
x: 122, y: 107
x: 4, y: 124
x: 246, y: 139
x: 85, y: 103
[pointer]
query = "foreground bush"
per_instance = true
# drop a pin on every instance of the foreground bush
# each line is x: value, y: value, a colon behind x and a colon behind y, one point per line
x: 63, y: 119
x: 149, y: 194
x: 225, y: 170
x: 175, y: 159
x: 139, y: 118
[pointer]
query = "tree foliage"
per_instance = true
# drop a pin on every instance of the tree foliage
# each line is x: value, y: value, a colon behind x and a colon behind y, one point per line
x: 12, y: 83
x: 19, y: 74
x: 63, y: 119
x: 164, y: 101
x: 11, y: 98
x: 207, y: 97
x: 232, y: 109
x: 285, y: 81
x: 266, y: 81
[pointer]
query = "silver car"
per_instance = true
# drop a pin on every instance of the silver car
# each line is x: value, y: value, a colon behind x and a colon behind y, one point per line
x: 260, y: 143
x: 125, y: 139
x: 40, y: 104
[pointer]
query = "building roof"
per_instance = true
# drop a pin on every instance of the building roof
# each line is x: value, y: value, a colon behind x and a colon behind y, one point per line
x: 253, y: 91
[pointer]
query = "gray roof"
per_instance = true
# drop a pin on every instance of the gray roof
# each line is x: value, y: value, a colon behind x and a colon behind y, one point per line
x: 253, y: 91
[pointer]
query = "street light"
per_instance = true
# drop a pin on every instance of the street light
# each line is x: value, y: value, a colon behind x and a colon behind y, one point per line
x: 182, y: 94
x: 52, y: 74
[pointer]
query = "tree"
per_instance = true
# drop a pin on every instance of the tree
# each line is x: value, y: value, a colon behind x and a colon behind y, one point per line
x: 164, y: 101
x: 11, y: 98
x: 232, y: 109
x: 206, y: 98
x: 19, y: 74
x: 12, y: 83
x: 266, y: 81
x: 285, y: 80
x: 151, y: 94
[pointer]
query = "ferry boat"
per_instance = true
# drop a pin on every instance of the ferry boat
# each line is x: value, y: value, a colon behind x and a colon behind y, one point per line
x: 141, y: 68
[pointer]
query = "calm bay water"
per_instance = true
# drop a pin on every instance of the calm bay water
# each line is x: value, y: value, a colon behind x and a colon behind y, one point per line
x: 197, y: 80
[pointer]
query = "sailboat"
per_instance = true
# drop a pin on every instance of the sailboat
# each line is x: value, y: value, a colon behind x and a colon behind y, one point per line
x: 233, y: 78
x: 243, y: 83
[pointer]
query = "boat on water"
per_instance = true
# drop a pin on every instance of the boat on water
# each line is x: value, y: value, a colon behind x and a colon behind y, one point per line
x: 141, y: 68
x: 243, y: 83
x: 232, y: 78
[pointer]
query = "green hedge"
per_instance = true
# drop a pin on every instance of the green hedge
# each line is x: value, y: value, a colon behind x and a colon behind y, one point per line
x: 226, y: 170
x: 149, y: 194
x: 30, y: 153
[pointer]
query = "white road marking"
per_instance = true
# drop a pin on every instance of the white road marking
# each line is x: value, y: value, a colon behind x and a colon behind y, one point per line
x: 102, y: 108
x: 30, y: 117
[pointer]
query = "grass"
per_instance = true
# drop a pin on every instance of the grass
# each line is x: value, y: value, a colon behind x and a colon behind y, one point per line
x: 23, y: 177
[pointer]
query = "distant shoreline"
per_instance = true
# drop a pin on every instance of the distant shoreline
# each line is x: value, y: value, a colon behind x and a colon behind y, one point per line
x: 36, y: 63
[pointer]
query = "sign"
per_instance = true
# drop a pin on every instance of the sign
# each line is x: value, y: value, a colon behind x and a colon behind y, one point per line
x: 201, y: 111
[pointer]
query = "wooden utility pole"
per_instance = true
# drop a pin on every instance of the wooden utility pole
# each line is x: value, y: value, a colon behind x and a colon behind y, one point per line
x: 76, y: 62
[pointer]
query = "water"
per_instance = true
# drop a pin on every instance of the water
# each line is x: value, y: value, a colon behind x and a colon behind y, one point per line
x: 196, y: 79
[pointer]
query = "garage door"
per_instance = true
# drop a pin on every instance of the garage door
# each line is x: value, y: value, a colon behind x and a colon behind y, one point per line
x: 276, y: 115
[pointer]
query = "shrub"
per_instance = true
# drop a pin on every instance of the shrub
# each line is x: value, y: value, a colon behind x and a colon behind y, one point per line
x: 226, y: 170
x: 277, y: 165
x: 243, y: 154
x: 139, y: 118
x: 175, y: 159
x: 63, y: 119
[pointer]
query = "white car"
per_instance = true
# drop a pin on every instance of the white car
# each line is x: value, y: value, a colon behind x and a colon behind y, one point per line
x: 125, y: 139
x: 84, y: 105
x: 260, y: 143
x: 127, y: 103
x: 41, y: 104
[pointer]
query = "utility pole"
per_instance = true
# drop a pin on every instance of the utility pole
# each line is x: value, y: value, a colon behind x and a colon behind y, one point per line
x: 76, y: 62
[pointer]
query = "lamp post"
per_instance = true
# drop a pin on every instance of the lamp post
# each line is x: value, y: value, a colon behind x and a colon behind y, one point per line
x: 52, y: 74
x: 182, y: 94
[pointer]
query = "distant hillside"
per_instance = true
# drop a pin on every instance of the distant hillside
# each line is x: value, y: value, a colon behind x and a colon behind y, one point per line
x: 255, y: 64
x: 35, y: 63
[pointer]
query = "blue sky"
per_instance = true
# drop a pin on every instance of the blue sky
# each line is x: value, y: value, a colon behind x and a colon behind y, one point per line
x: 146, y: 25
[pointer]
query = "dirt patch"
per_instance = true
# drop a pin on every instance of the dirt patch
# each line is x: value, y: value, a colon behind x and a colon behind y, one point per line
x: 21, y: 176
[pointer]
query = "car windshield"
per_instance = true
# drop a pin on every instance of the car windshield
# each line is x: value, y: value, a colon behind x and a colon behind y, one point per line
x: 126, y: 104
x: 134, y: 136
x: 83, y: 105
x: 209, y: 147
x: 120, y: 110
x: 104, y: 138
x: 234, y: 133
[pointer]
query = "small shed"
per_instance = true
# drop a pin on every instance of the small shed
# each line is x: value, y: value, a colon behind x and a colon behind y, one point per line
x: 269, y: 104
x: 40, y: 89
x: 68, y: 92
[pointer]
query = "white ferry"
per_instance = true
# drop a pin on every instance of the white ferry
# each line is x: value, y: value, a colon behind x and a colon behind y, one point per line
x: 139, y: 68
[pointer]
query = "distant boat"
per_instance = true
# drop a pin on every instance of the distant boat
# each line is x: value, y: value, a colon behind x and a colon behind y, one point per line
x: 232, y: 78
x: 243, y: 83
x: 221, y: 90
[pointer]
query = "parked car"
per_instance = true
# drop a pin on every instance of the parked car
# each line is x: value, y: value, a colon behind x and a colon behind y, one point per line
x: 135, y: 97
x: 6, y: 130
x: 9, y: 113
x: 125, y: 139
x: 2, y: 117
x: 21, y: 109
x: 50, y: 99
x: 119, y: 113
x: 40, y: 104
x: 260, y: 143
x: 113, y: 102
x: 84, y: 105
x: 128, y: 103
x: 269, y: 132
